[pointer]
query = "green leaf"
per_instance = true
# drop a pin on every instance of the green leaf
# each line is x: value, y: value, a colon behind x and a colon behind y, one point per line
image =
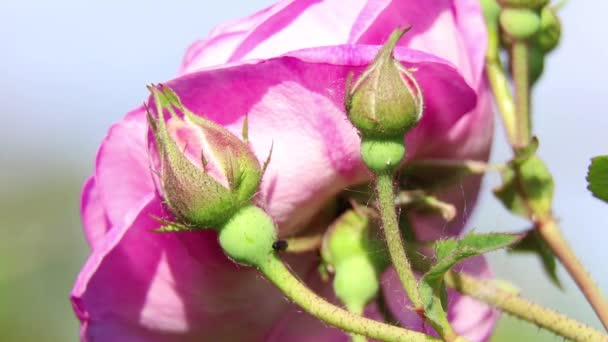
x: 527, y: 188
x: 449, y: 253
x: 533, y: 243
x: 597, y: 177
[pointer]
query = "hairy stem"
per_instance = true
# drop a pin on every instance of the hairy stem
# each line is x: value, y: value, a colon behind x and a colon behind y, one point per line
x: 521, y: 80
x: 396, y: 246
x: 502, y: 94
x: 511, y: 303
x: 550, y: 232
x: 274, y: 269
x: 396, y: 249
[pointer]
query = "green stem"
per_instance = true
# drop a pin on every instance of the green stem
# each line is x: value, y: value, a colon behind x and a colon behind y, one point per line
x: 521, y: 80
x: 511, y: 303
x: 274, y: 269
x: 502, y: 95
x: 357, y: 338
x: 550, y: 232
x: 396, y: 249
x: 396, y: 246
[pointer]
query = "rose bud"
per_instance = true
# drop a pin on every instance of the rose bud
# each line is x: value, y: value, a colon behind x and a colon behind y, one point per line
x: 384, y: 104
x: 385, y: 101
x: 356, y: 258
x: 203, y: 190
x: 550, y: 32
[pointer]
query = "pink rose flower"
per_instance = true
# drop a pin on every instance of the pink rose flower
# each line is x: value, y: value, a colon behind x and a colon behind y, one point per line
x: 285, y: 67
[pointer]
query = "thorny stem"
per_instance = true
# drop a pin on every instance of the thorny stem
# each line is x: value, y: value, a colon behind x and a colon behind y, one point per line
x: 550, y: 232
x: 511, y: 303
x: 275, y: 271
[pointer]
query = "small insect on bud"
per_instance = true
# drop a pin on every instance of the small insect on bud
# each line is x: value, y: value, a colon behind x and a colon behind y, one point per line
x: 279, y: 245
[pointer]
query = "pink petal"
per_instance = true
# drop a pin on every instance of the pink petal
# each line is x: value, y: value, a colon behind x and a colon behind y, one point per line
x: 471, y: 319
x: 295, y: 103
x: 123, y: 175
x: 286, y: 26
x: 452, y: 29
x: 144, y: 286
x: 94, y: 217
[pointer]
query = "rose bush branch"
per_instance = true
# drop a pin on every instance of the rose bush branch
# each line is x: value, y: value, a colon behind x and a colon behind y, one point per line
x: 510, y: 302
x: 532, y: 27
x: 551, y: 234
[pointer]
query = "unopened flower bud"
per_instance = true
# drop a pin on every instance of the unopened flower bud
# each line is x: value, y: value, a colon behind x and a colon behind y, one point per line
x: 550, y: 30
x: 519, y: 23
x: 356, y: 258
x: 386, y: 100
x: 206, y: 187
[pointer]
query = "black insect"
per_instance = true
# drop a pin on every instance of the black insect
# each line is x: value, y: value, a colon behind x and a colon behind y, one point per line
x: 279, y: 245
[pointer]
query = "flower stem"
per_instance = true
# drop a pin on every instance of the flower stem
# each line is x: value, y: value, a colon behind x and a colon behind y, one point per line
x: 550, y: 232
x: 274, y: 269
x: 396, y: 247
x: 511, y: 303
x: 521, y: 80
x: 502, y: 94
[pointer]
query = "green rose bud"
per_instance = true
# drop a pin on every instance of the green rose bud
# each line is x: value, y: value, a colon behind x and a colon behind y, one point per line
x: 357, y: 259
x: 200, y: 190
x: 519, y: 23
x: 386, y: 100
x: 550, y: 32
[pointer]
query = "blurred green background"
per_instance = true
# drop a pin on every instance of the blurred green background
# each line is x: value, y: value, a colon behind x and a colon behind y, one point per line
x: 71, y: 68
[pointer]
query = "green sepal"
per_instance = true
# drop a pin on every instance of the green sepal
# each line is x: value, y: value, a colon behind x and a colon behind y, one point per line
x: 449, y: 253
x: 527, y: 188
x: 534, y: 243
x: 597, y: 177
